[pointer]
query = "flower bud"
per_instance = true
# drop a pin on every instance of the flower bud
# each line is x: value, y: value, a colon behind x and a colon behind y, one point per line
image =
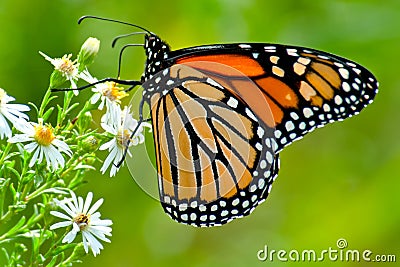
x: 88, y: 52
x: 90, y: 144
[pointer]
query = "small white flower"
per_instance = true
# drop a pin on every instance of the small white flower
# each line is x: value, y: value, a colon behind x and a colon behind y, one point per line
x: 44, y: 143
x: 84, y: 219
x: 68, y: 68
x: 121, y: 127
x: 12, y: 113
x: 108, y: 93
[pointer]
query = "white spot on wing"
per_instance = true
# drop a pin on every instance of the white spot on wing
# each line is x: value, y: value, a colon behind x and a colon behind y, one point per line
x: 344, y: 73
x: 258, y: 146
x: 214, y: 83
x: 292, y: 52
x: 244, y: 46
x: 260, y: 132
x: 307, y: 112
x: 338, y: 100
x: 346, y: 87
x: 232, y: 102
x: 250, y: 114
x: 289, y: 126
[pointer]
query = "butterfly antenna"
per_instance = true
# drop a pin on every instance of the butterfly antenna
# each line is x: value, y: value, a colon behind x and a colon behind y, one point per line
x: 112, y: 20
x: 125, y: 35
x: 120, y: 55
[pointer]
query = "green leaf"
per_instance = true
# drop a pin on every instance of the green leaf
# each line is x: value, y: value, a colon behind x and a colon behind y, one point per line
x: 34, y: 107
x: 48, y: 113
x: 14, y: 171
x: 83, y: 166
x: 4, y: 183
x: 63, y: 248
x: 59, y: 114
x: 17, y: 226
x: 53, y: 261
x: 6, y: 254
x: 71, y: 108
x: 12, y: 154
x: 13, y: 192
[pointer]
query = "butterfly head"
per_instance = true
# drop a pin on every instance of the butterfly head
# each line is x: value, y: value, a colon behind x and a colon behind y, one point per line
x: 156, y: 52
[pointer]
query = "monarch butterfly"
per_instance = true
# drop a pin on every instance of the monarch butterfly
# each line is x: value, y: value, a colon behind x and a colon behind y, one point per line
x: 222, y: 113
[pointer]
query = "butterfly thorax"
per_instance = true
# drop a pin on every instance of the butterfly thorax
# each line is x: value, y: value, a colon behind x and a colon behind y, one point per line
x: 156, y: 52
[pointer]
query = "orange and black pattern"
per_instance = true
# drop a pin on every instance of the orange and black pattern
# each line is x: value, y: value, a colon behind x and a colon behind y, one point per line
x: 222, y: 113
x: 215, y: 159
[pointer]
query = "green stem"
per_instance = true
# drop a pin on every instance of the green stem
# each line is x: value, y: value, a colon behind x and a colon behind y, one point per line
x: 67, y: 101
x: 44, y: 103
x: 5, y: 153
x: 6, y: 216
x: 26, y: 190
x: 3, y: 196
x: 38, y: 191
x: 88, y: 106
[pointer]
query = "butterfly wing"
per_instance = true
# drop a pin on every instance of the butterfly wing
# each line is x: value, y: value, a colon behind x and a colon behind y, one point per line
x: 215, y: 157
x: 304, y: 88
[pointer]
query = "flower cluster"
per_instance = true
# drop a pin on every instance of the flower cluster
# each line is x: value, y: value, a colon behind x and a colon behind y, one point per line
x: 118, y: 122
x: 47, y: 157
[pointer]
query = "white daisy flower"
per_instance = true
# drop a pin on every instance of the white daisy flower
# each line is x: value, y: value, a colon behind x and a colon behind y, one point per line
x: 44, y: 143
x: 108, y: 93
x: 68, y: 68
x: 121, y: 127
x: 12, y: 113
x: 84, y: 219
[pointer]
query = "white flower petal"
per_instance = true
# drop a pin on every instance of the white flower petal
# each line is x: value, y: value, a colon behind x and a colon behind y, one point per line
x: 107, y: 163
x: 80, y: 204
x: 88, y: 202
x: 94, y: 244
x: 108, y: 145
x: 85, y: 243
x: 60, y: 224
x: 68, y: 238
x: 74, y: 199
x: 60, y: 215
x: 19, y: 138
x: 95, y: 206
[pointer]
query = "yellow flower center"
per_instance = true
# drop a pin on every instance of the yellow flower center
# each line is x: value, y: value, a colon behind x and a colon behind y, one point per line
x: 65, y: 65
x: 43, y: 135
x: 113, y: 93
x: 82, y: 220
x: 123, y: 138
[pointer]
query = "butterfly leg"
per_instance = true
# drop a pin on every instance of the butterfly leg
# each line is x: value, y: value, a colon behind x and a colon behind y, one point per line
x: 132, y: 84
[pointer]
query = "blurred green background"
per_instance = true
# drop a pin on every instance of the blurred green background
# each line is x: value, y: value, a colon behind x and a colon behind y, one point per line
x: 342, y: 181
